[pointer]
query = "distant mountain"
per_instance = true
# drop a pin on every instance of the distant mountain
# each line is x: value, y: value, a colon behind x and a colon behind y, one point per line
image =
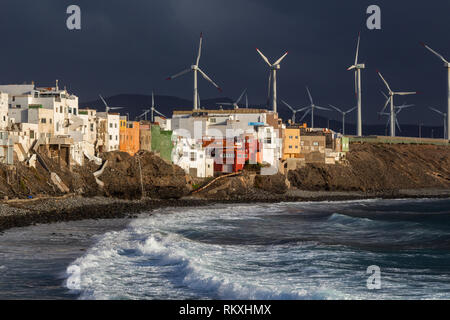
x: 134, y: 104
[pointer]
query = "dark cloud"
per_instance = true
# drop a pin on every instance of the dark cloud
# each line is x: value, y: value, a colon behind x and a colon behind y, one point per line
x: 131, y: 46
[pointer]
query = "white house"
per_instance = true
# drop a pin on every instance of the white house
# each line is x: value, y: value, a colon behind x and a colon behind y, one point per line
x: 111, y: 130
x: 3, y: 110
x: 192, y: 157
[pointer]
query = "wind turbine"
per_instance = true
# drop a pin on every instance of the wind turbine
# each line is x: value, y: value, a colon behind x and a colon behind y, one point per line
x: 399, y: 109
x: 311, y: 108
x: 403, y: 106
x: 445, y: 115
x: 344, y: 113
x: 195, y: 68
x: 273, y: 76
x: 146, y: 111
x: 153, y: 109
x: 358, y: 67
x: 392, y: 94
x: 446, y: 65
x: 235, y: 104
x: 294, y: 112
x: 107, y: 107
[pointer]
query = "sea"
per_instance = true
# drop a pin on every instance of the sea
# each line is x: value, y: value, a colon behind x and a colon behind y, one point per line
x: 363, y: 249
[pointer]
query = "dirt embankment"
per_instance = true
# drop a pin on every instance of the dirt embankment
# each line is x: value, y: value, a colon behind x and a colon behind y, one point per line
x: 380, y: 168
x: 121, y: 177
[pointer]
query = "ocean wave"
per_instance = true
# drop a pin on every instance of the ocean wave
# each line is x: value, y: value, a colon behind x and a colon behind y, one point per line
x: 197, y: 276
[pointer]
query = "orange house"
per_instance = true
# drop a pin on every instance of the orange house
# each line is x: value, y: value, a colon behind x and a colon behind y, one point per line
x: 129, y: 136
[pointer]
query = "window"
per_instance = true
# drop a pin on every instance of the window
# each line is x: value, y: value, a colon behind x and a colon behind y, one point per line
x: 18, y: 106
x: 60, y: 109
x: 116, y: 138
x: 43, y: 120
x: 110, y: 137
x: 290, y: 147
x: 296, y: 147
x: 296, y: 137
x: 111, y: 125
x: 92, y: 127
x: 290, y: 137
x: 193, y: 156
x: 115, y: 125
x: 51, y: 120
x: 315, y: 143
x: 70, y: 110
x: 31, y: 134
x: 75, y: 111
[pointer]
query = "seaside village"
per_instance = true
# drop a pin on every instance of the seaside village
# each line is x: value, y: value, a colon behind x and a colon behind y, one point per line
x: 205, y: 143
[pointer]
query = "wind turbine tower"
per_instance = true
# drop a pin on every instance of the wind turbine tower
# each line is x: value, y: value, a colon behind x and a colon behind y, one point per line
x: 358, y: 67
x: 273, y: 76
x: 446, y: 65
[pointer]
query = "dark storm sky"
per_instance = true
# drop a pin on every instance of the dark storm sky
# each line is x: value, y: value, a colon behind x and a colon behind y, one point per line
x: 132, y: 46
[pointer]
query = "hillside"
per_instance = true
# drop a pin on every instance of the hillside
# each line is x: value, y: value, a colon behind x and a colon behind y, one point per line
x: 373, y: 167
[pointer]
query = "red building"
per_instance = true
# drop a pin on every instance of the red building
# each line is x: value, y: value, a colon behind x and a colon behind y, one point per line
x: 231, y: 155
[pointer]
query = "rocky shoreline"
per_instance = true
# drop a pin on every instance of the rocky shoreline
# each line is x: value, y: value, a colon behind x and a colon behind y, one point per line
x: 21, y: 213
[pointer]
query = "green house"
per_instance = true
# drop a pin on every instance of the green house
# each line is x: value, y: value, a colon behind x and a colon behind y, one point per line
x: 162, y: 142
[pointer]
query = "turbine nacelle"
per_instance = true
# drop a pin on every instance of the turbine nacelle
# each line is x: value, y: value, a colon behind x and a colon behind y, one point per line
x: 275, y: 67
x: 194, y: 67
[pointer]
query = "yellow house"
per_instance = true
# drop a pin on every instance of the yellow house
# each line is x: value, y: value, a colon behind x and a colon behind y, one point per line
x: 291, y: 143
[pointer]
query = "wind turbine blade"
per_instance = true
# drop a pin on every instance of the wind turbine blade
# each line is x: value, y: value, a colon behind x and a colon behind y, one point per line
x: 385, y: 105
x: 309, y: 95
x: 405, y: 93
x: 357, y: 49
x: 350, y: 110
x: 336, y: 108
x: 404, y: 106
x: 264, y: 57
x: 104, y: 102
x: 351, y: 68
x: 115, y: 108
x: 178, y: 74
x: 281, y: 58
x: 436, y: 110
x: 209, y: 79
x: 304, y: 115
x: 160, y: 113
x: 398, y: 125
x: 153, y: 100
x: 199, y: 49
x: 240, y: 97
x: 304, y: 108
x: 224, y: 103
x: 435, y: 53
x: 389, y: 88
x: 322, y: 108
x: 384, y: 94
x: 287, y: 105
